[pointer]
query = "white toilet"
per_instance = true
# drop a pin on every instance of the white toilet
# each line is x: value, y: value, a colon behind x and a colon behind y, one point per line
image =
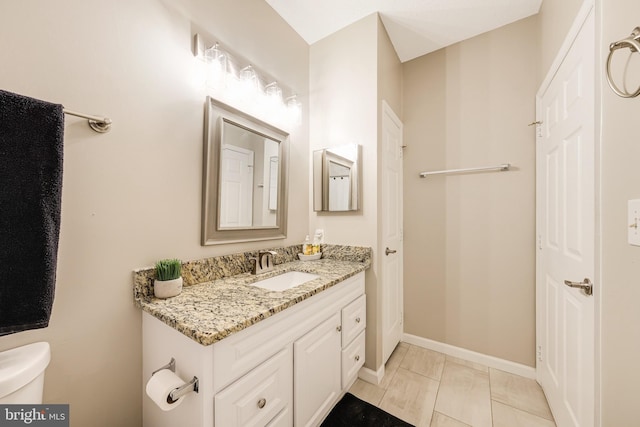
x: 22, y: 373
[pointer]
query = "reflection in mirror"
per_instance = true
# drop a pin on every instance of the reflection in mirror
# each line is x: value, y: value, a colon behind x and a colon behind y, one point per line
x: 273, y: 183
x: 248, y: 178
x: 336, y: 178
x: 244, y: 179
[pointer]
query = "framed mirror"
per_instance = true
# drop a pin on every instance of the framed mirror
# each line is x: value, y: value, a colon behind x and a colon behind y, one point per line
x: 244, y: 177
x: 336, y: 179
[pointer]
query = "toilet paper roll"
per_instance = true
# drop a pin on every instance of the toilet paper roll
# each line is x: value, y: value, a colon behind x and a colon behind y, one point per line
x: 160, y: 385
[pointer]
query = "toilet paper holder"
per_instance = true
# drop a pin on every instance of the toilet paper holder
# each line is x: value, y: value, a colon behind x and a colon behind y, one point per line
x: 178, y: 392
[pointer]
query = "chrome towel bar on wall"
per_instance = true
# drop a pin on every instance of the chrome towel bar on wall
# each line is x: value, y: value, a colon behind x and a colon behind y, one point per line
x: 98, y: 124
x: 502, y: 167
x: 633, y: 43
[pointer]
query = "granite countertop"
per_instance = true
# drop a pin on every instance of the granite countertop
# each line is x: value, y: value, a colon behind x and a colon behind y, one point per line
x: 209, y: 311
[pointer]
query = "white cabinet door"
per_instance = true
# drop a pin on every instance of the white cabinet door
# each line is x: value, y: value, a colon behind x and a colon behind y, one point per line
x: 316, y: 376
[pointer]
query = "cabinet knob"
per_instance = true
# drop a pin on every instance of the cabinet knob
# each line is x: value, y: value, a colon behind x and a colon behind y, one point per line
x: 261, y: 403
x: 357, y: 320
x: 357, y: 357
x: 339, y: 328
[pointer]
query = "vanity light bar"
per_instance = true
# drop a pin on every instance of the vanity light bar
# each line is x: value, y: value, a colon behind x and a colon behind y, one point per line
x: 250, y: 79
x: 200, y: 47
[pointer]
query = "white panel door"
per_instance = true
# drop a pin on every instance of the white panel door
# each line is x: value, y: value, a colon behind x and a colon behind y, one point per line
x: 391, y: 243
x: 236, y: 187
x: 565, y: 228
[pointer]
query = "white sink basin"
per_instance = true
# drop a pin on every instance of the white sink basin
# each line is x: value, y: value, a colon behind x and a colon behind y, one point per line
x: 285, y: 281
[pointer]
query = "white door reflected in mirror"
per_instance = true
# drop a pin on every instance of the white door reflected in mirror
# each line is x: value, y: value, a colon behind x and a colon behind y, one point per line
x: 236, y: 187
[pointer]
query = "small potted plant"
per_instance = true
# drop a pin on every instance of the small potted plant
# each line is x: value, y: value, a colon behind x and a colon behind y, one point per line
x: 168, y: 282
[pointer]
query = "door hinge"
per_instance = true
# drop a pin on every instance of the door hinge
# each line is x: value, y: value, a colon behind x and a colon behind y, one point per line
x: 540, y: 241
x: 539, y: 353
x: 538, y: 125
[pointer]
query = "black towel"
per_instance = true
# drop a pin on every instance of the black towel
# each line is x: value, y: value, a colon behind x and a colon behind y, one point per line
x: 31, y: 146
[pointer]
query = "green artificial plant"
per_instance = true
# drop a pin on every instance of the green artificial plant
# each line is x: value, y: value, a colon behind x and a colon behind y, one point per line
x: 168, y: 269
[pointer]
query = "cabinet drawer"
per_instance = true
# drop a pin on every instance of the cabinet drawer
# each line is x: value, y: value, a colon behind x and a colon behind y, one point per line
x: 352, y: 360
x: 354, y: 319
x: 259, y: 396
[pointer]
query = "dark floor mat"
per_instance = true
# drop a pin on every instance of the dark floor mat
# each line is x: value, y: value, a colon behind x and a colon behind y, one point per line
x: 353, y: 412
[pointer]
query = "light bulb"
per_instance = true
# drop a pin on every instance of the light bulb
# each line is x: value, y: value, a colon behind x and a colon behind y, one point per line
x: 274, y: 93
x: 294, y: 110
x: 216, y: 60
x: 248, y: 81
x: 248, y: 74
x: 214, y: 54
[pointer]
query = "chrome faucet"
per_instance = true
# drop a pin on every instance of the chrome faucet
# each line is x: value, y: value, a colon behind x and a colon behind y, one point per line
x: 263, y: 263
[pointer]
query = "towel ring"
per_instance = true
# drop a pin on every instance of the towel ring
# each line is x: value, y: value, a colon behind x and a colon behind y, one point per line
x: 633, y: 43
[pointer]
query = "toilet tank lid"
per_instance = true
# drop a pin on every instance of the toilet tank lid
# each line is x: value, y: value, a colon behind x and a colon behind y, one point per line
x: 19, y: 366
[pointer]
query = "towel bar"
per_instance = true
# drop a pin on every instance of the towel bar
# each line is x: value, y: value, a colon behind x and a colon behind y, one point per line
x: 633, y: 43
x: 98, y: 124
x: 502, y: 167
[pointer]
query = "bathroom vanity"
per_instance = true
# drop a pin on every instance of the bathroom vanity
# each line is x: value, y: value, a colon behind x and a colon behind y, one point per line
x: 262, y: 357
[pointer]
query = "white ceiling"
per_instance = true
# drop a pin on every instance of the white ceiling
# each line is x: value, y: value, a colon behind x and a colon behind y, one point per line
x: 416, y: 27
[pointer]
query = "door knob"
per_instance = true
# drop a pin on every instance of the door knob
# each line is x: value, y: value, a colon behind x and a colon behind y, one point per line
x: 388, y: 251
x: 585, y: 285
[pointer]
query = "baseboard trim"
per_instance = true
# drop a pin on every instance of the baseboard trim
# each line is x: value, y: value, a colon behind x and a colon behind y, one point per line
x: 472, y: 356
x: 371, y: 376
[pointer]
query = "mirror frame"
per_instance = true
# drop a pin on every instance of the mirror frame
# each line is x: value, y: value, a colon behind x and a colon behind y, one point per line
x: 321, y: 160
x: 217, y: 113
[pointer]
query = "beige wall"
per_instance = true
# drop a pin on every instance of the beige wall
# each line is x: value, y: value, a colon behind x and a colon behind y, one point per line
x: 556, y: 17
x: 343, y: 109
x: 389, y: 75
x: 131, y: 60
x: 469, y: 239
x: 620, y: 272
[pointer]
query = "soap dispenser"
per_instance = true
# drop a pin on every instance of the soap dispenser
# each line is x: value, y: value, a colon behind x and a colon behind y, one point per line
x: 316, y: 244
x: 307, y: 247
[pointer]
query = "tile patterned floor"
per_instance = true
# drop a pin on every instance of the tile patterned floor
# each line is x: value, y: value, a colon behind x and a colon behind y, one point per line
x: 429, y: 389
